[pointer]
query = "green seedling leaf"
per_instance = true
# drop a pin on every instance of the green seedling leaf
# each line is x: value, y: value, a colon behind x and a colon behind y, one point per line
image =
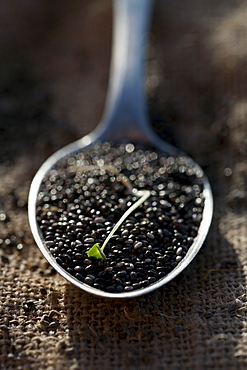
x: 96, y: 251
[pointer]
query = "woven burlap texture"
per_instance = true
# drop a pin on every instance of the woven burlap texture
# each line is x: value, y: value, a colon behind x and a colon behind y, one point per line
x: 53, y: 79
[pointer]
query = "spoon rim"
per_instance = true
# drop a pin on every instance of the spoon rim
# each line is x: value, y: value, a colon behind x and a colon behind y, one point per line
x: 193, y: 250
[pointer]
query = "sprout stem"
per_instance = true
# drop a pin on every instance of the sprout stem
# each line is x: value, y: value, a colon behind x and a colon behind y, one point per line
x: 98, y: 252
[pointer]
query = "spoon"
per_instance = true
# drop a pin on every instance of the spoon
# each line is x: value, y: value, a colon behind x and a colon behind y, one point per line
x: 124, y: 120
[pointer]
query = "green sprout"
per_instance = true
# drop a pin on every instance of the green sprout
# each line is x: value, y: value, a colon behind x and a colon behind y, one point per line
x: 98, y: 252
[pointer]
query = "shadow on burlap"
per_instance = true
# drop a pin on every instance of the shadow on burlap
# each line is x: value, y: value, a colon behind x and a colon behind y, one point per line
x: 53, y: 80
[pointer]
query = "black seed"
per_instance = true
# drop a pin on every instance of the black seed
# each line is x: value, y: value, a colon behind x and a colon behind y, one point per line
x: 78, y: 268
x: 89, y: 240
x: 145, y: 283
x: 120, y: 264
x: 138, y: 245
x: 89, y: 278
x: 59, y: 261
x: 129, y: 266
x: 121, y: 274
x: 70, y: 270
x: 87, y: 261
x: 89, y: 268
x: 110, y: 289
x: 109, y: 269
x: 179, y: 251
x: 79, y: 276
x: 150, y: 236
x: 128, y: 288
x: 133, y: 276
x: 152, y: 273
x: 136, y: 286
x: 190, y: 240
x: 125, y: 233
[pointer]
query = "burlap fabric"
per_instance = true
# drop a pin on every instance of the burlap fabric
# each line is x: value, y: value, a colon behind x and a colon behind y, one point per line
x: 54, y: 66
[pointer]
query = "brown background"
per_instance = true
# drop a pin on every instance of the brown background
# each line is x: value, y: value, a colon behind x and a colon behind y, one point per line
x: 54, y: 65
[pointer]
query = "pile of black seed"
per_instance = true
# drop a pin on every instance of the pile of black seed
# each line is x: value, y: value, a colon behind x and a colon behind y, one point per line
x: 77, y: 208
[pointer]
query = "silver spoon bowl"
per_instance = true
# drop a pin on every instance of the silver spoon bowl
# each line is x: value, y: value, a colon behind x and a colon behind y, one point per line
x: 124, y: 120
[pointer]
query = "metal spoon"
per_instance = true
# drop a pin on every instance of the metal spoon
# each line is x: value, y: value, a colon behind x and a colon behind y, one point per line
x: 125, y: 118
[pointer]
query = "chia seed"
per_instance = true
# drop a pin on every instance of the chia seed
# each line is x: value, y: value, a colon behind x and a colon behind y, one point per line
x: 77, y: 208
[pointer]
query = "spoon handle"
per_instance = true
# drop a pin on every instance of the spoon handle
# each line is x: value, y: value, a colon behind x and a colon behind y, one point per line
x: 125, y: 111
